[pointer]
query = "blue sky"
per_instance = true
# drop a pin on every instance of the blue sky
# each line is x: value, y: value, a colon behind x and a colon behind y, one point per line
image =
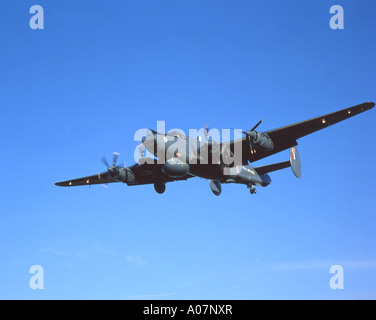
x: 98, y: 72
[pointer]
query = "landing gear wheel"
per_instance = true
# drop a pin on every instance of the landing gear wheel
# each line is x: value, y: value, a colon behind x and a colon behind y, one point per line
x: 160, y: 187
x: 253, y: 190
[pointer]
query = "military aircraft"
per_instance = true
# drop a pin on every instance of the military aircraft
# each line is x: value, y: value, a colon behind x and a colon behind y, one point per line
x: 179, y: 157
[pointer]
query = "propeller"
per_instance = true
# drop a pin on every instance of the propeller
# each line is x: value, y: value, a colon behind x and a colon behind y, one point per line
x: 141, y: 150
x: 113, y: 169
x: 114, y: 160
x: 252, y: 135
x: 213, y: 146
x: 205, y: 128
x: 210, y: 142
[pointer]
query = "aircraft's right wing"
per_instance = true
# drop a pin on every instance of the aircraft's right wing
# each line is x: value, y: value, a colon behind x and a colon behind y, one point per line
x: 100, y: 178
x: 148, y: 172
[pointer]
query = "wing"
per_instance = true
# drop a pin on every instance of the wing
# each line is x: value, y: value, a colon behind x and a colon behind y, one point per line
x: 89, y: 180
x: 301, y: 129
x: 147, y: 173
x: 286, y: 137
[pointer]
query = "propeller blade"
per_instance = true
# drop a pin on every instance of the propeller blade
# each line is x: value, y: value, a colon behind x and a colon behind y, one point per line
x: 104, y: 160
x: 206, y: 131
x: 116, y: 155
x: 254, y: 128
x: 122, y: 165
x: 253, y: 150
x: 141, y: 150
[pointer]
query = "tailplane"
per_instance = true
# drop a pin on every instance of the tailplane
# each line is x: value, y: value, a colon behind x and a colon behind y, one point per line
x: 294, y: 163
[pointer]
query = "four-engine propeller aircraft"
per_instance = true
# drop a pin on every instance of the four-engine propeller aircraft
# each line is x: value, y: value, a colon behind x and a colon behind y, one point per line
x: 179, y: 157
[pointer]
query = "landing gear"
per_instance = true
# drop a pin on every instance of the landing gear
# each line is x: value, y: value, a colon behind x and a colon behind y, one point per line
x: 160, y: 187
x: 252, y: 190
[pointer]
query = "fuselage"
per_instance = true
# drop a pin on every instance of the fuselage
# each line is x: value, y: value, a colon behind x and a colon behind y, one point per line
x: 180, y: 154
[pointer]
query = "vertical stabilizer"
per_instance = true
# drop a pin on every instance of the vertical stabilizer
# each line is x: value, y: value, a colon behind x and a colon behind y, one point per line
x: 295, y: 163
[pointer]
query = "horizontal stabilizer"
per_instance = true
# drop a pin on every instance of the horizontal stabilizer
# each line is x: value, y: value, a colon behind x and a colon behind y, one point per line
x: 272, y: 167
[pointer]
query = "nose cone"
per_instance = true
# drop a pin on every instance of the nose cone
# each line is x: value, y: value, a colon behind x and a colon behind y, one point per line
x: 111, y: 170
x: 150, y: 141
x: 252, y: 134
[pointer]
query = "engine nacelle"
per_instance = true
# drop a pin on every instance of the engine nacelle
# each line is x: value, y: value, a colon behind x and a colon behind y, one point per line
x: 264, y: 141
x: 261, y: 140
x: 175, y: 168
x: 246, y: 174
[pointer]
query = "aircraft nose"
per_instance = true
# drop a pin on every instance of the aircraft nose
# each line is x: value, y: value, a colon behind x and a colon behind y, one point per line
x: 151, y: 137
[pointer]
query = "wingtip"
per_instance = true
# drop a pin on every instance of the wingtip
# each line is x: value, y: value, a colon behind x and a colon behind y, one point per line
x: 364, y: 106
x: 368, y: 105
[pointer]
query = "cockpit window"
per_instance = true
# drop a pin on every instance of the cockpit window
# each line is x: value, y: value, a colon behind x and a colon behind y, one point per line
x: 177, y: 135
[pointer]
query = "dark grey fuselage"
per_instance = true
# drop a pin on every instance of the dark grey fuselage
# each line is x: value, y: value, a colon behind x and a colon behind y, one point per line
x: 181, y: 155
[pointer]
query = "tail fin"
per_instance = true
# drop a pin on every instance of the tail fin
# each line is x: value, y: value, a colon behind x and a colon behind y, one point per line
x: 296, y: 165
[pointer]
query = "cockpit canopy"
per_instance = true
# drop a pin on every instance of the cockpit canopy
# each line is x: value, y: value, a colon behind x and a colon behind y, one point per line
x: 176, y: 134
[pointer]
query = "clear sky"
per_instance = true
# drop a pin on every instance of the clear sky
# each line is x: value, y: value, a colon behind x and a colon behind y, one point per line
x: 101, y: 70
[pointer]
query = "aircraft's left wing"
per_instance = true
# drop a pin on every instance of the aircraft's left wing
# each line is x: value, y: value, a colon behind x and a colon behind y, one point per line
x: 286, y: 137
x: 301, y: 129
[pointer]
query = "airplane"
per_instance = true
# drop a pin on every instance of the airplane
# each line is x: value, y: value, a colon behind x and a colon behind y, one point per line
x: 180, y: 157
